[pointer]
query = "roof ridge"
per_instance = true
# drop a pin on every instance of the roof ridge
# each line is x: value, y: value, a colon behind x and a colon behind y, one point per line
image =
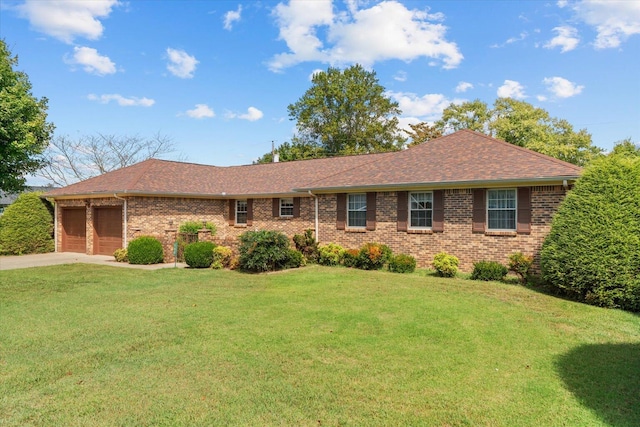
x: 357, y: 166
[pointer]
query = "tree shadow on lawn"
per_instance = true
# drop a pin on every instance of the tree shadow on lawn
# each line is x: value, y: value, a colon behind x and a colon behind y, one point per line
x: 606, y: 379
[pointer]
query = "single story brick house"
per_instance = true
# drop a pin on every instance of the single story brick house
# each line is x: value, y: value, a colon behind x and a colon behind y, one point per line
x: 465, y: 193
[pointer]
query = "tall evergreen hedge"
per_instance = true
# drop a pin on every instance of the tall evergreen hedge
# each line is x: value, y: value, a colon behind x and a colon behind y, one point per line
x: 593, y: 249
x: 26, y: 227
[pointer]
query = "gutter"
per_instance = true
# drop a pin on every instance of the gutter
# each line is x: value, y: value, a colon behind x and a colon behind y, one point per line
x: 125, y: 218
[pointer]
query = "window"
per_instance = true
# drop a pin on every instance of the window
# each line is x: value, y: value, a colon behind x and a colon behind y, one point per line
x: 286, y: 207
x: 241, y: 211
x: 421, y: 210
x: 501, y: 209
x: 357, y: 210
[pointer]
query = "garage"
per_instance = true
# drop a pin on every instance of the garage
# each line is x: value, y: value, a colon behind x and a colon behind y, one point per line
x: 74, y: 231
x: 107, y: 224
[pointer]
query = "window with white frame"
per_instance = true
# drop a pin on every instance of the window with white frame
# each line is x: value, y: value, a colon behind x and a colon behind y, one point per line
x: 286, y: 207
x: 501, y: 209
x: 421, y: 210
x: 357, y: 210
x: 241, y: 211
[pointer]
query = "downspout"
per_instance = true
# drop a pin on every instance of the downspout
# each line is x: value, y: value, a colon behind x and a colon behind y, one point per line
x: 55, y: 226
x: 316, y: 218
x: 125, y: 217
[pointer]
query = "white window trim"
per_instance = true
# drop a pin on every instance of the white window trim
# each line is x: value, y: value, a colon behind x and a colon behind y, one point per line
x: 409, y: 211
x: 515, y: 225
x: 246, y: 212
x: 365, y: 210
x: 280, y: 208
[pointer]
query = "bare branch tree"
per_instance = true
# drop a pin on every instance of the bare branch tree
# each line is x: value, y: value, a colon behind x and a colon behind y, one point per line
x: 71, y: 160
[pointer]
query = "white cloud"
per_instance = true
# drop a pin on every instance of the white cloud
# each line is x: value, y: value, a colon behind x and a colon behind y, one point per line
x: 91, y: 61
x: 201, y: 111
x: 615, y: 21
x: 66, y: 20
x: 426, y: 107
x: 511, y: 89
x: 232, y: 16
x: 387, y: 30
x: 252, y: 115
x: 463, y: 87
x: 400, y: 76
x: 181, y: 64
x: 122, y: 101
x: 567, y: 39
x: 523, y: 35
x: 562, y: 88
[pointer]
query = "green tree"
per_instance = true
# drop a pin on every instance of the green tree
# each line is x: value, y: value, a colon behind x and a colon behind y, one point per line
x: 626, y: 148
x: 347, y: 112
x: 422, y: 132
x: 26, y: 226
x: 24, y: 130
x: 297, y: 149
x: 524, y: 125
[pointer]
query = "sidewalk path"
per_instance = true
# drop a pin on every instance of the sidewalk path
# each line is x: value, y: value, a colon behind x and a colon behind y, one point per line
x: 41, y: 260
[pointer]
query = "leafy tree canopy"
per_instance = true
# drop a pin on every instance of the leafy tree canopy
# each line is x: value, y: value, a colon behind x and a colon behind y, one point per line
x: 422, y: 132
x: 24, y: 130
x: 522, y: 124
x: 343, y: 112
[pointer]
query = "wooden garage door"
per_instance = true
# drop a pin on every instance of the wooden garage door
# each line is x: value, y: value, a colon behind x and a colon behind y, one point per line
x: 108, y: 230
x: 74, y: 231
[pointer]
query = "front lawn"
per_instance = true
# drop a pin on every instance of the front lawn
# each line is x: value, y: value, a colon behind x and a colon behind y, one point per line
x: 92, y: 345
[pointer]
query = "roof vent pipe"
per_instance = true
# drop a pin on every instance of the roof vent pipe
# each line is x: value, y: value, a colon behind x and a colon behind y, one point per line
x: 276, y: 158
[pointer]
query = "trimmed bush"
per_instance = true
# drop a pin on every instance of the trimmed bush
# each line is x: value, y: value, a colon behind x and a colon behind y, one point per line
x: 593, y: 249
x: 488, y: 270
x: 192, y: 227
x: 373, y: 256
x: 445, y: 265
x: 121, y: 255
x: 145, y: 250
x: 26, y: 227
x: 350, y: 258
x: 263, y: 251
x: 307, y: 245
x: 199, y: 254
x: 330, y: 254
x: 521, y: 265
x: 222, y: 257
x: 296, y: 259
x: 402, y: 263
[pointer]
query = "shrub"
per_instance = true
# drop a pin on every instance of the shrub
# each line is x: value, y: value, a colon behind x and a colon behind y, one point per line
x: 307, y: 245
x: 445, y: 265
x: 263, y: 251
x: 121, y: 255
x: 521, y: 265
x: 402, y: 263
x: 330, y: 254
x: 145, y: 250
x: 26, y: 226
x: 593, y: 249
x: 295, y: 260
x: 199, y: 254
x: 373, y: 256
x: 488, y: 270
x: 192, y: 227
x: 222, y: 257
x: 350, y: 257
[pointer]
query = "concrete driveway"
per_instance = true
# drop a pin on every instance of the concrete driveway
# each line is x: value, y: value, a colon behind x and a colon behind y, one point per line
x: 41, y: 260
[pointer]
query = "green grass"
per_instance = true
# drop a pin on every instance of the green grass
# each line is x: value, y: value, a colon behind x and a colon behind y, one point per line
x: 86, y: 346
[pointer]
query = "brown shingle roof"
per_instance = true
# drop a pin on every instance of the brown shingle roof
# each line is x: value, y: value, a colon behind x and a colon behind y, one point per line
x: 463, y: 157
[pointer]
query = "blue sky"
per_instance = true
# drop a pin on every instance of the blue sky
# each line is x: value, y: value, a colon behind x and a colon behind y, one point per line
x: 217, y: 76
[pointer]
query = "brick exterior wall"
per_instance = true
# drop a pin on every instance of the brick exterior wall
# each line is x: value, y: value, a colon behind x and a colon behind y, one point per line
x: 161, y: 217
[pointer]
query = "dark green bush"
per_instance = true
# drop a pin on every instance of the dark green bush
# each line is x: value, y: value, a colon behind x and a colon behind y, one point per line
x: 199, y: 254
x: 307, y: 245
x: 330, y: 254
x: 373, y: 256
x: 263, y: 251
x: 296, y: 259
x: 445, y: 265
x: 26, y: 227
x: 593, y: 249
x: 402, y: 263
x: 145, y: 250
x: 521, y: 265
x: 488, y: 270
x: 192, y: 227
x: 350, y: 257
